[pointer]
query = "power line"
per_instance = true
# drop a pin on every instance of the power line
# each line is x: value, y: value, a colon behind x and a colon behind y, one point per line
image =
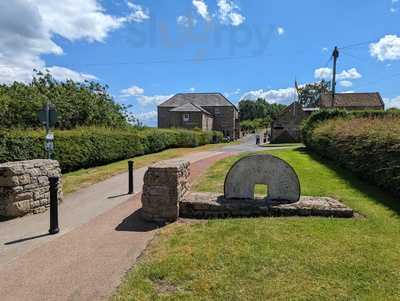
x: 165, y: 61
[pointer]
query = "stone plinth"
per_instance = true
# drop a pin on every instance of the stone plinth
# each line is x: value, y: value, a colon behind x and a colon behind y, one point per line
x: 210, y: 205
x: 24, y: 186
x: 165, y: 184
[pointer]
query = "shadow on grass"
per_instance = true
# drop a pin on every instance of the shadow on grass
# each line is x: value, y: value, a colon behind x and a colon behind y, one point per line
x: 385, y: 198
x: 135, y: 223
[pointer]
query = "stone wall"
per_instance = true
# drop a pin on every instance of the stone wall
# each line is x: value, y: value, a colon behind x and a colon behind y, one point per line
x: 165, y: 185
x: 24, y: 186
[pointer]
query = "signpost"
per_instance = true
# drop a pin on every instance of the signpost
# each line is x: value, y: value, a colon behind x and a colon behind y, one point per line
x: 47, y: 117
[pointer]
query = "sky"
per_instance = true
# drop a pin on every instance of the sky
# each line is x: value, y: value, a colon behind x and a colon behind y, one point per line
x: 148, y: 50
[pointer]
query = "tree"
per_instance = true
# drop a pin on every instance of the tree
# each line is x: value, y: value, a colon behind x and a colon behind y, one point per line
x: 259, y: 110
x: 310, y: 94
x: 77, y: 103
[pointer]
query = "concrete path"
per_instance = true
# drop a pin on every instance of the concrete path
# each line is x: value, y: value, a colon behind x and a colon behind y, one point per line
x: 19, y: 236
x: 85, y: 262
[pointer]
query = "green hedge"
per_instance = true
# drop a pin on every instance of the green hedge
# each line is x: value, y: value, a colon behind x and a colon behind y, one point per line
x: 323, y: 115
x: 87, y: 147
x: 367, y: 143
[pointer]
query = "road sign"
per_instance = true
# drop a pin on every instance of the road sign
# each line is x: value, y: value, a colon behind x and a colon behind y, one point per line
x: 48, y: 116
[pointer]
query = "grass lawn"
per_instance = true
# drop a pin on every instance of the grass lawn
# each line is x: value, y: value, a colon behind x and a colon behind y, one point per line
x: 278, y: 258
x: 79, y: 179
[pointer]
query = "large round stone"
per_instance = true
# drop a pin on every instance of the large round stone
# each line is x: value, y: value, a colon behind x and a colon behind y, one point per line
x: 280, y: 178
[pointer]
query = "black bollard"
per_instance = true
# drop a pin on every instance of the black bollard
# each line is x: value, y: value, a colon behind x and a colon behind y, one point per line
x: 53, y: 205
x: 130, y: 179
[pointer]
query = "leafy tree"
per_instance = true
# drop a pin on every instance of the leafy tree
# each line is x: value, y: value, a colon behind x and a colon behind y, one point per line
x: 310, y: 94
x: 259, y: 110
x: 77, y: 103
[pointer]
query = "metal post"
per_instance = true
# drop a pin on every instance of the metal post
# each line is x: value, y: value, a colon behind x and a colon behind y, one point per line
x: 130, y: 173
x: 53, y: 205
x: 335, y: 55
x: 48, y: 126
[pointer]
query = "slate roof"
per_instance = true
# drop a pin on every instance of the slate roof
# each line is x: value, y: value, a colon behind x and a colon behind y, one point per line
x: 352, y: 100
x: 189, y: 107
x: 199, y: 99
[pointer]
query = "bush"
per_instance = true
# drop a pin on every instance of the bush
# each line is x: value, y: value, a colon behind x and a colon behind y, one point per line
x: 324, y: 115
x: 367, y: 143
x: 93, y: 146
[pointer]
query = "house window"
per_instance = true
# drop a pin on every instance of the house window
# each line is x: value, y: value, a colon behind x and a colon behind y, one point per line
x: 186, y: 117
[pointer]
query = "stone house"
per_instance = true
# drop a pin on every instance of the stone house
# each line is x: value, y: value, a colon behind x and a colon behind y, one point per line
x: 206, y: 111
x: 286, y: 127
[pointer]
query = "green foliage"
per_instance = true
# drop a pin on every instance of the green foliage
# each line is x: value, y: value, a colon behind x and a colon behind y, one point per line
x: 320, y: 116
x: 252, y: 125
x: 310, y: 94
x: 93, y: 146
x: 77, y: 104
x: 259, y: 109
x: 367, y: 143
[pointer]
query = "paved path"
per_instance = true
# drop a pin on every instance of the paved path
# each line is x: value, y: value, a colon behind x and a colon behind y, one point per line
x: 21, y: 235
x: 89, y: 258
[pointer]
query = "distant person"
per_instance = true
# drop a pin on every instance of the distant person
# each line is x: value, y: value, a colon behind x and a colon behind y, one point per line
x: 257, y: 139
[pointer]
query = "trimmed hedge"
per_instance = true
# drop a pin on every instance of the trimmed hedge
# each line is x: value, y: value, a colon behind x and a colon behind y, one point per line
x: 323, y: 115
x: 367, y: 143
x: 87, y: 147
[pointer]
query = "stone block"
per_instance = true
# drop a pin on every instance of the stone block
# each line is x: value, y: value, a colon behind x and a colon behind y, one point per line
x: 165, y: 183
x: 24, y: 186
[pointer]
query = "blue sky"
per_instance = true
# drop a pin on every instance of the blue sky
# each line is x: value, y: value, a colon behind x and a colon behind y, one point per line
x: 146, y: 50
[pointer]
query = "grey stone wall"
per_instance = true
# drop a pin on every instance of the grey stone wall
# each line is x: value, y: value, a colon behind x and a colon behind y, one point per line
x: 24, y: 186
x: 165, y: 184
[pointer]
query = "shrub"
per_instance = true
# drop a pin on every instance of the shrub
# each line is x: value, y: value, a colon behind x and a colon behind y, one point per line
x: 93, y: 146
x: 324, y: 115
x: 367, y: 143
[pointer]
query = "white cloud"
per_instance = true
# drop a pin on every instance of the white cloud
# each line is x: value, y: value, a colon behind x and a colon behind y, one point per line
x: 349, y: 74
x: 323, y: 73
x: 145, y: 100
x: 202, y: 9
x: 192, y: 89
x: 387, y: 48
x: 283, y: 96
x: 62, y: 74
x: 393, y: 10
x: 326, y: 73
x: 27, y: 29
x: 229, y: 13
x: 280, y: 30
x: 132, y: 91
x: 152, y: 115
x: 186, y: 21
x: 346, y: 83
x: 392, y: 103
x: 324, y: 49
x: 138, y: 14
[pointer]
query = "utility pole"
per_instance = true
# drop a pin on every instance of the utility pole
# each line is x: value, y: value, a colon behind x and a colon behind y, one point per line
x: 335, y: 55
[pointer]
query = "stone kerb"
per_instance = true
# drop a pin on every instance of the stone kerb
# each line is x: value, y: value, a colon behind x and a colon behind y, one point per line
x: 24, y: 186
x: 165, y: 184
x: 282, y: 181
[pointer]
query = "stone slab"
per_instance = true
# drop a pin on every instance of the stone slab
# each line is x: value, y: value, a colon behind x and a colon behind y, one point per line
x: 211, y: 205
x: 278, y: 175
